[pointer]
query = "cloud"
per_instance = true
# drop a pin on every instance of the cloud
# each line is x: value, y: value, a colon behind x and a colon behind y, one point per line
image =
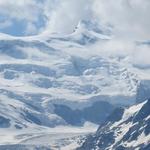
x: 27, y: 12
x: 130, y: 18
x: 31, y: 29
x: 127, y: 50
x: 130, y: 22
x: 5, y: 24
x: 67, y: 15
x: 141, y: 55
x: 20, y: 9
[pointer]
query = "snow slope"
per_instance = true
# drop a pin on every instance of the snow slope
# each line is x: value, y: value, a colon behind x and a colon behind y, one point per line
x: 41, y: 138
x: 39, y: 74
x: 124, y: 129
x: 40, y: 71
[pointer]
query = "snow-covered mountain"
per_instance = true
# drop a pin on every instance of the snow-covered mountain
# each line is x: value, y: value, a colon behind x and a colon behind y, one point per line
x: 42, y: 76
x: 55, y: 80
x: 124, y: 129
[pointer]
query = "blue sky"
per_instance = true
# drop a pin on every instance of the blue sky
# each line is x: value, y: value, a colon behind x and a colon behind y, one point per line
x: 130, y: 18
x: 19, y: 27
x: 20, y: 17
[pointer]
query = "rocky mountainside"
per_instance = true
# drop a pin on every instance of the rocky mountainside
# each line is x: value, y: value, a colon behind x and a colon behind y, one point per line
x: 124, y: 129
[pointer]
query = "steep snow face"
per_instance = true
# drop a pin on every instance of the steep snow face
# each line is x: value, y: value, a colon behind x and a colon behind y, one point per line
x: 124, y: 129
x: 41, y: 72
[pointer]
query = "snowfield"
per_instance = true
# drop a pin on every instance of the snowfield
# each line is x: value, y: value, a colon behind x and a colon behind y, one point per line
x: 63, y: 137
x: 47, y: 81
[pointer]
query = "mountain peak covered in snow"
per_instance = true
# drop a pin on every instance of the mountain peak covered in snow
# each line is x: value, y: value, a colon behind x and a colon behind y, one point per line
x: 130, y: 131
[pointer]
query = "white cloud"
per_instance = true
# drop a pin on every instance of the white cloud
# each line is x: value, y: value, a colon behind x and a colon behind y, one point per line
x: 5, y: 24
x: 67, y: 15
x: 28, y: 11
x: 31, y: 29
x: 130, y: 18
x: 141, y: 56
x: 21, y: 9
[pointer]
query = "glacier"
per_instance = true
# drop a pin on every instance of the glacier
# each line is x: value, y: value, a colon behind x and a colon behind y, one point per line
x: 51, y: 81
